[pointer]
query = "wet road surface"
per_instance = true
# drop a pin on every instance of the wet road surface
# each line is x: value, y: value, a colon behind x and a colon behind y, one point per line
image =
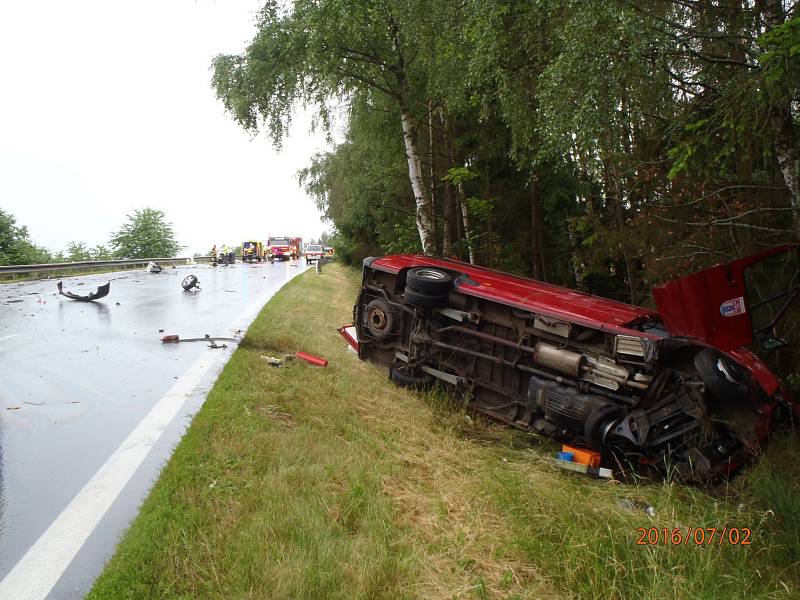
x: 77, y: 378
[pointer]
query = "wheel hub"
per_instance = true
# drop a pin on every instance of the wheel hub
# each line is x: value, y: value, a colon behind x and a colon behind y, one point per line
x: 377, y: 318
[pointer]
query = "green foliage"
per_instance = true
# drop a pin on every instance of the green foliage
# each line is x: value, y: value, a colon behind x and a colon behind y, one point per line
x: 16, y: 247
x: 145, y: 235
x: 781, y: 60
x: 100, y: 252
x: 458, y: 175
x: 77, y: 251
x: 316, y: 53
x: 361, y: 186
x: 650, y: 130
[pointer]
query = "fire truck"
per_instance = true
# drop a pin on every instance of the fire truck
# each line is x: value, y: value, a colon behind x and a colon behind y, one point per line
x: 283, y: 248
x: 296, y: 247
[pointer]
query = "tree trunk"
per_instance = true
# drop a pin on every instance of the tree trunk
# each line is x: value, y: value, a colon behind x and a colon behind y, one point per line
x: 425, y: 225
x: 785, y: 140
x: 577, y: 269
x: 432, y: 173
x: 465, y: 220
x: 447, y: 218
x: 450, y: 224
x: 537, y: 250
x: 785, y: 130
x: 425, y: 222
x: 620, y: 214
x: 460, y: 196
x: 487, y: 197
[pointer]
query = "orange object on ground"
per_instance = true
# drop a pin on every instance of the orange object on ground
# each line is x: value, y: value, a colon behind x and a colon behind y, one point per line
x: 311, y: 359
x: 583, y: 456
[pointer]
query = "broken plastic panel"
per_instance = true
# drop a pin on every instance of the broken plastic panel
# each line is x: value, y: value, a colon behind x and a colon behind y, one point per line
x: 101, y: 292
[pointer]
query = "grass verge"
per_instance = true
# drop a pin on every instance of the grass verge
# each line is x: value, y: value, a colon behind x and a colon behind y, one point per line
x: 306, y: 482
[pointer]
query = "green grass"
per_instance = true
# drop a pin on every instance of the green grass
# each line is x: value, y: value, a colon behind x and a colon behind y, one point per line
x: 306, y: 482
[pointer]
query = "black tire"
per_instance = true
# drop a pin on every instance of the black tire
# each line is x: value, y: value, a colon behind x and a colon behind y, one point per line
x: 379, y: 319
x: 724, y: 378
x: 189, y: 282
x: 410, y: 380
x: 416, y: 298
x: 598, y: 422
x: 433, y: 282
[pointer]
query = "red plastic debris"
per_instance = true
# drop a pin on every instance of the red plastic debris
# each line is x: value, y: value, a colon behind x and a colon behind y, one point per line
x: 311, y: 359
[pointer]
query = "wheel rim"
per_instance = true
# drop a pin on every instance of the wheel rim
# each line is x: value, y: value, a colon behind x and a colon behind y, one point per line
x: 432, y: 274
x: 377, y: 319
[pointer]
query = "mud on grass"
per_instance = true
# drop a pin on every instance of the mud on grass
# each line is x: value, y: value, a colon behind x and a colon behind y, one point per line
x: 307, y: 482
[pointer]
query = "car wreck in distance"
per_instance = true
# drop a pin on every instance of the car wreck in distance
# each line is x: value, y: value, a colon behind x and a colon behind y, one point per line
x: 691, y: 389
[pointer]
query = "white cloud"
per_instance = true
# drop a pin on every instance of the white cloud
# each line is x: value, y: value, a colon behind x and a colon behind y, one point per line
x: 107, y: 107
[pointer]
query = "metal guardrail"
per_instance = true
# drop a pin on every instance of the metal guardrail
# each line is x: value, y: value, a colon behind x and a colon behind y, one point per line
x: 93, y: 264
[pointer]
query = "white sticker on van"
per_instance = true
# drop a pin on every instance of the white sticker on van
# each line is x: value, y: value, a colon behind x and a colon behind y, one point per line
x: 732, y: 307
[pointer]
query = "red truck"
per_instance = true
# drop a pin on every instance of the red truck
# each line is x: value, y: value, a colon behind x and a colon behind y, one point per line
x: 295, y: 247
x: 690, y: 389
x: 279, y: 248
x: 284, y: 248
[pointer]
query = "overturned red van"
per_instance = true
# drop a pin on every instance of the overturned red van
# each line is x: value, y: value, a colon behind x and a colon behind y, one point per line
x: 692, y: 388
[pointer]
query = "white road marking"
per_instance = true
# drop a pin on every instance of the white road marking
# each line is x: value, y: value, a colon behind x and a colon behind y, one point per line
x: 8, y: 337
x: 40, y: 568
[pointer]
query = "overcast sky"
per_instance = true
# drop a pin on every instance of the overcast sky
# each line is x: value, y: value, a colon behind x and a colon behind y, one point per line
x: 107, y: 107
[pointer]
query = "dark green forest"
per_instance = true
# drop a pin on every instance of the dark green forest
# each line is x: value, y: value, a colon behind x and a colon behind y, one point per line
x: 604, y: 145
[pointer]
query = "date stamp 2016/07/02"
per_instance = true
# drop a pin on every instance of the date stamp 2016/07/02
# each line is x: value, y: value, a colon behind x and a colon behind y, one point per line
x: 693, y: 536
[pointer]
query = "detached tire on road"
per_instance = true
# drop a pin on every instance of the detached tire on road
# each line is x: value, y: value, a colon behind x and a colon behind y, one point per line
x: 189, y: 282
x: 426, y: 280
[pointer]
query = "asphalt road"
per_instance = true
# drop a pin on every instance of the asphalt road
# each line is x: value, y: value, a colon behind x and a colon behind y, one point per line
x: 79, y: 379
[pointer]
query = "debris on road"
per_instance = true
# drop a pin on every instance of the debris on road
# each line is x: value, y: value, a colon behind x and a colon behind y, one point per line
x: 636, y: 506
x: 190, y: 282
x: 154, y: 267
x: 583, y: 456
x: 311, y: 359
x: 304, y: 356
x: 348, y: 332
x: 585, y: 469
x: 14, y: 300
x: 101, y: 292
x: 278, y: 362
x: 174, y: 339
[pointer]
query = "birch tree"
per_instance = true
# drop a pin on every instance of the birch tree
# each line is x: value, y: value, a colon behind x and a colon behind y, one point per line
x: 324, y: 52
